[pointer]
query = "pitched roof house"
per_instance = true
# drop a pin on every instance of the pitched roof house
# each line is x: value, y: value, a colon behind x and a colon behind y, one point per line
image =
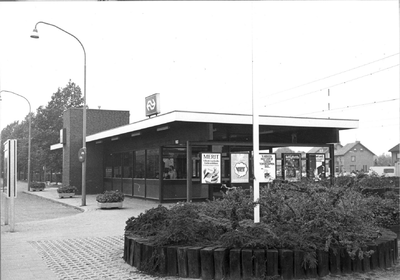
x: 395, y: 154
x: 353, y: 157
x: 324, y: 150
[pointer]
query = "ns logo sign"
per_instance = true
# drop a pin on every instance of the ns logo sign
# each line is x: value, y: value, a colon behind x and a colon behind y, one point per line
x: 152, y: 104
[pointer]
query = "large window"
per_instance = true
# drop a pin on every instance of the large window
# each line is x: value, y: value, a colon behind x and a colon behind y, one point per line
x: 127, y: 165
x: 140, y: 164
x: 108, y: 166
x: 174, y: 163
x: 153, y: 157
x: 117, y: 166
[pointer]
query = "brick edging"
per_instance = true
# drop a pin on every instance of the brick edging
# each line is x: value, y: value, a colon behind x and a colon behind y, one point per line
x: 246, y: 263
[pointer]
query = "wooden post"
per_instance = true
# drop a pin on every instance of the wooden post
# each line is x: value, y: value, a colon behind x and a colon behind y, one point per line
x: 272, y: 263
x: 285, y: 262
x: 234, y: 264
x: 182, y: 262
x: 207, y: 263
x: 193, y: 255
x: 247, y: 263
x: 221, y: 263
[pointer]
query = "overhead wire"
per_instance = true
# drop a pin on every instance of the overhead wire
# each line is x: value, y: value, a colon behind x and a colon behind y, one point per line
x: 334, y: 85
x: 350, y: 107
x: 379, y: 126
x: 330, y: 76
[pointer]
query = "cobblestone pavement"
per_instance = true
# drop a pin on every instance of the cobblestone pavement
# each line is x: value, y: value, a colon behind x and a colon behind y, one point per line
x: 84, y: 258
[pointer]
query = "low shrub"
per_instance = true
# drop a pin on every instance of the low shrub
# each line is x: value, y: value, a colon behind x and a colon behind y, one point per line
x: 110, y: 196
x: 66, y: 189
x: 37, y: 185
x: 304, y: 216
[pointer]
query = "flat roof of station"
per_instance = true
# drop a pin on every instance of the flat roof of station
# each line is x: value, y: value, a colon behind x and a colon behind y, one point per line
x: 223, y: 118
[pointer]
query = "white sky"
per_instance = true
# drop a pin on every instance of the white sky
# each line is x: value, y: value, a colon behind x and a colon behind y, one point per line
x: 198, y: 56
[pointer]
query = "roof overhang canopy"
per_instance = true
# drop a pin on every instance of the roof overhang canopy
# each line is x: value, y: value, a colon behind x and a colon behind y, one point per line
x: 220, y: 118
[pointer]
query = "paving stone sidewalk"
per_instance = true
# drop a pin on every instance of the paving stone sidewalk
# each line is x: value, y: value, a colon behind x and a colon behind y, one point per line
x: 88, y: 245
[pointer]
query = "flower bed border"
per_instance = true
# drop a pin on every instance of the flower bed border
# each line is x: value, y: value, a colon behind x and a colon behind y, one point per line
x: 245, y: 263
x: 109, y: 205
x: 62, y: 195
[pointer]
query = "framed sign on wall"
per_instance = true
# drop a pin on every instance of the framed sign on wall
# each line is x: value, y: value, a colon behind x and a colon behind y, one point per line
x: 291, y: 167
x: 240, y: 167
x: 268, y: 167
x: 211, y: 168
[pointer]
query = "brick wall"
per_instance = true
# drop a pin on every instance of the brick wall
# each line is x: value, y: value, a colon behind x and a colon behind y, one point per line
x: 97, y: 120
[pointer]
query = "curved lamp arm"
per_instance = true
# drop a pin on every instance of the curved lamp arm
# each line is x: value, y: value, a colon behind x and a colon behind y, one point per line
x: 19, y: 96
x: 35, y: 35
x: 29, y: 136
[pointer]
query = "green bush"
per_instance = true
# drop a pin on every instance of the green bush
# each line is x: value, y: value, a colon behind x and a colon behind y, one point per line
x: 67, y: 189
x: 304, y: 216
x: 37, y: 185
x: 110, y: 196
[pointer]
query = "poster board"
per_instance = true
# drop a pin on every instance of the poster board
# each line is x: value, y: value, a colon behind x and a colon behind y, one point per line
x: 267, y: 165
x: 291, y: 167
x: 240, y: 167
x: 211, y: 168
x: 315, y: 165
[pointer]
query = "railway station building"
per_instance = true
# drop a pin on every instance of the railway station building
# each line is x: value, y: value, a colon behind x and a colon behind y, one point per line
x: 161, y: 157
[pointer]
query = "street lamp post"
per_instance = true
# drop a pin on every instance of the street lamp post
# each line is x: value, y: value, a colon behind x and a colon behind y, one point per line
x: 29, y: 135
x: 35, y: 35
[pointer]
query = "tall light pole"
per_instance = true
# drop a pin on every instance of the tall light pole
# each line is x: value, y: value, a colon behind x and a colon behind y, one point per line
x: 35, y: 35
x: 256, y: 134
x: 29, y: 135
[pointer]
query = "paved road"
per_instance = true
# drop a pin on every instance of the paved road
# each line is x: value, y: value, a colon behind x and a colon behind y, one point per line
x: 30, y: 208
x: 65, y: 243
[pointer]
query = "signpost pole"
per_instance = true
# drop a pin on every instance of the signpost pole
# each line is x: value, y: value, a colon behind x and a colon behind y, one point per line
x: 256, y: 140
x: 6, y: 205
x: 10, y: 154
x: 256, y: 137
x: 13, y: 181
x: 12, y: 214
x: 256, y: 162
x: 189, y: 172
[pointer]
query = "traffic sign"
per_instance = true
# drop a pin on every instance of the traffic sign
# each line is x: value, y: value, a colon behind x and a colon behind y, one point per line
x: 82, y: 154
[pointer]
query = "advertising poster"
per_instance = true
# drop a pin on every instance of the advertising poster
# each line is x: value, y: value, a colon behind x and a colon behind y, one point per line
x: 240, y: 168
x: 268, y: 167
x: 211, y: 168
x: 316, y: 166
x: 291, y: 167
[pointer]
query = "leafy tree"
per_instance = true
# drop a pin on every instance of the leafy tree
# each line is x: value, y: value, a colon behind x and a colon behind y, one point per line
x: 280, y: 151
x: 383, y: 160
x: 48, y: 123
x: 15, y: 130
x: 45, y: 129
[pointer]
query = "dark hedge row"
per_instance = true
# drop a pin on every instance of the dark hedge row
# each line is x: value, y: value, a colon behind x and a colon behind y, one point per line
x: 306, y: 216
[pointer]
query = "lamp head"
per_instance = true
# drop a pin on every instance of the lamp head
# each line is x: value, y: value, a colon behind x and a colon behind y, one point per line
x: 35, y: 34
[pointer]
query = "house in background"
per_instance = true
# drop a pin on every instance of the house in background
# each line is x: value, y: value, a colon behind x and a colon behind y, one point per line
x: 395, y: 154
x: 324, y: 150
x: 353, y: 157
